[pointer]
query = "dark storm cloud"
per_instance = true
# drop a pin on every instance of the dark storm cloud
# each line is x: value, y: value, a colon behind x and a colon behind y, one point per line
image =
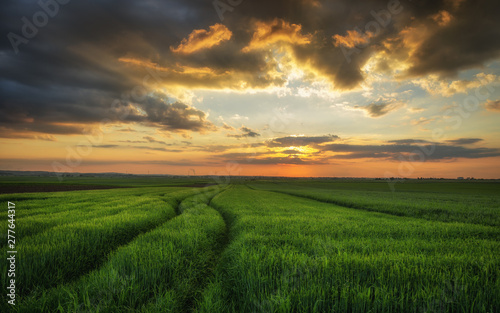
x: 70, y: 71
x: 471, y: 37
x: 171, y: 116
x: 90, y: 108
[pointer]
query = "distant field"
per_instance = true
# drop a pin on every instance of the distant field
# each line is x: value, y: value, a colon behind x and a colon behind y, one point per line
x: 468, y: 202
x: 256, y: 246
x: 51, y: 184
x: 132, y: 181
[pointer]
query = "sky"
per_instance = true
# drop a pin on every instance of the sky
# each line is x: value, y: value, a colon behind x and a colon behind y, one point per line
x: 262, y: 88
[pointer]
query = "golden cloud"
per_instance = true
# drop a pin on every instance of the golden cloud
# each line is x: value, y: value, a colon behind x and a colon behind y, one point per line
x: 277, y: 30
x: 435, y: 86
x: 201, y: 39
x: 352, y: 39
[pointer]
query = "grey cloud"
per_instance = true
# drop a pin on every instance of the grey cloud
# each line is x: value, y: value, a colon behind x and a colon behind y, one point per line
x: 26, y: 115
x: 298, y: 141
x: 246, y: 132
x: 410, y: 141
x: 261, y: 159
x: 154, y: 140
x: 172, y: 116
x: 394, y: 151
x: 379, y: 109
x: 464, y: 141
x: 285, y: 160
x: 136, y: 147
x: 106, y: 146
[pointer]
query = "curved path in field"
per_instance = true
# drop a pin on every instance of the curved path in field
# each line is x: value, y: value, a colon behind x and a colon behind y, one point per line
x: 186, y: 290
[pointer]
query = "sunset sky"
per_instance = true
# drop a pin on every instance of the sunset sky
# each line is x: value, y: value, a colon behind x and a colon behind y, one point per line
x: 249, y: 87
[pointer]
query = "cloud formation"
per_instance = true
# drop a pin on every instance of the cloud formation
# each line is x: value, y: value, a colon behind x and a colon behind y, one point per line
x: 352, y: 39
x: 276, y: 31
x: 493, y: 105
x: 201, y: 39
x: 87, y: 63
x: 413, y: 149
x: 172, y: 116
x: 298, y: 141
x: 379, y: 109
x: 464, y: 141
x: 245, y: 132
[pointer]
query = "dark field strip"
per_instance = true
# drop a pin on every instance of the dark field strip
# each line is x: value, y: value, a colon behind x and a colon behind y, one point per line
x: 291, y: 254
x: 25, y: 188
x: 160, y: 271
x: 448, y: 207
x: 65, y: 252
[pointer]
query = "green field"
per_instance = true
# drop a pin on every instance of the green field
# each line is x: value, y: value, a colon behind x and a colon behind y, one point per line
x: 281, y: 245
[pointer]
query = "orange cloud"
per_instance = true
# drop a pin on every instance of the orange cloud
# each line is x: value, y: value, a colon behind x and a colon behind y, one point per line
x: 442, y: 18
x: 352, y: 39
x: 492, y: 105
x: 201, y: 39
x: 277, y: 30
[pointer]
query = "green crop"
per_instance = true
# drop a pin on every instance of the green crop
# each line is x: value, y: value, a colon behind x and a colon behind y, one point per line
x: 447, y: 207
x: 290, y: 254
x: 259, y: 246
